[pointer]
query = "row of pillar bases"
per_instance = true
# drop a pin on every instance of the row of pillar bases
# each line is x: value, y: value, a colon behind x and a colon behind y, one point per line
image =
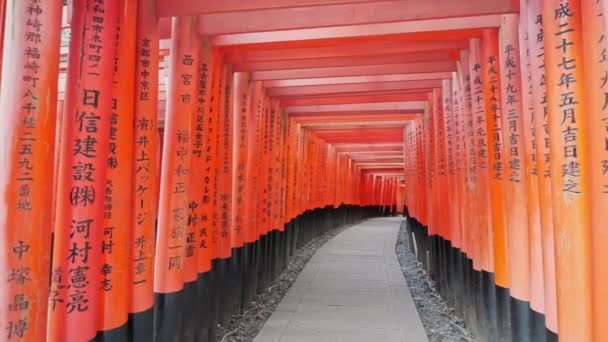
x: 487, y: 309
x: 194, y: 313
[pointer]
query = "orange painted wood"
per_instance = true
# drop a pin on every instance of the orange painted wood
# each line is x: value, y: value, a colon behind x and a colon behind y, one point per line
x: 240, y: 116
x: 144, y: 159
x: 224, y: 166
x: 516, y: 182
x: 529, y: 115
x: 364, y: 30
x: 118, y: 208
x: 596, y: 100
x: 480, y: 145
x: 344, y: 61
x: 365, y: 70
x: 201, y: 162
x: 171, y: 261
x: 27, y: 141
x: 77, y: 258
x: 541, y: 125
x: 343, y: 15
x: 568, y: 129
x: 492, y: 98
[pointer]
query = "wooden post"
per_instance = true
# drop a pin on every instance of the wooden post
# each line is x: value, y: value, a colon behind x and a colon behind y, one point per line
x: 114, y: 291
x: 492, y: 98
x: 568, y: 128
x: 171, y: 242
x: 145, y: 180
x: 541, y: 125
x: 596, y: 99
x: 27, y: 139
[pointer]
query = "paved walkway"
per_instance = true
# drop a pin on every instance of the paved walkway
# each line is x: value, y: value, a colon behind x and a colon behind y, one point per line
x: 352, y: 290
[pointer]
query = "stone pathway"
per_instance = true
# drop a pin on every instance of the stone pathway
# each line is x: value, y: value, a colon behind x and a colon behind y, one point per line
x: 352, y: 290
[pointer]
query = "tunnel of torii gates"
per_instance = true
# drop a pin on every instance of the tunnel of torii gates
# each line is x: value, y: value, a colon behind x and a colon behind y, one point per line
x: 162, y: 159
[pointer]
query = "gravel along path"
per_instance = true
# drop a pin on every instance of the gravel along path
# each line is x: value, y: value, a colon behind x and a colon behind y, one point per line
x: 439, y: 320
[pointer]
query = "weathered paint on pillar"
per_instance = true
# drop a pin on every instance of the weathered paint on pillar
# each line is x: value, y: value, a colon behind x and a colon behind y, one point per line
x: 492, y: 98
x: 514, y: 149
x: 170, y: 257
x: 200, y: 169
x: 115, y: 247
x: 145, y: 163
x: 27, y: 140
x: 595, y: 45
x: 480, y: 142
x: 529, y: 116
x: 77, y: 249
x: 568, y: 127
x: 541, y: 125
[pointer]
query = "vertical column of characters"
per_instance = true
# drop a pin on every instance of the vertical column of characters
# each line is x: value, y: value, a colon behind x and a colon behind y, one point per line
x: 74, y: 291
x: 145, y: 197
x: 480, y: 145
x: 568, y: 129
x: 225, y: 161
x: 240, y: 116
x: 200, y: 160
x: 595, y: 57
x: 114, y: 291
x: 211, y: 129
x: 541, y: 125
x: 458, y: 144
x: 446, y: 92
x: 529, y: 116
x: 273, y: 149
x: 429, y: 153
x: 252, y: 163
x: 514, y: 150
x: 470, y: 205
x: 283, y: 219
x: 492, y: 99
x: 263, y: 167
x: 27, y: 141
x: 441, y: 169
x: 172, y: 235
x: 218, y: 108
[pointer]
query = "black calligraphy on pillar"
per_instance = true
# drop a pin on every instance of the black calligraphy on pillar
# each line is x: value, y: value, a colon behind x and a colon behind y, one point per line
x: 567, y: 102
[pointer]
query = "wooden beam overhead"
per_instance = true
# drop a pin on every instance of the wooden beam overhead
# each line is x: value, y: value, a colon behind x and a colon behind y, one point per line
x: 368, y: 48
x: 355, y: 99
x: 332, y: 62
x: 386, y: 69
x: 368, y: 30
x: 363, y: 107
x: 356, y: 79
x: 169, y: 8
x: 340, y: 15
x: 354, y: 88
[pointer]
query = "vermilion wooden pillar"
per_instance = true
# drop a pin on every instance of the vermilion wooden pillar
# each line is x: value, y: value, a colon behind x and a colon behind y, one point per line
x: 529, y: 116
x: 145, y: 181
x: 480, y: 144
x: 114, y: 291
x: 27, y: 124
x: 171, y: 242
x: 75, y: 277
x: 596, y: 98
x: 446, y: 92
x: 487, y: 309
x: 516, y: 188
x: 570, y: 169
x: 541, y: 125
x: 498, y: 176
